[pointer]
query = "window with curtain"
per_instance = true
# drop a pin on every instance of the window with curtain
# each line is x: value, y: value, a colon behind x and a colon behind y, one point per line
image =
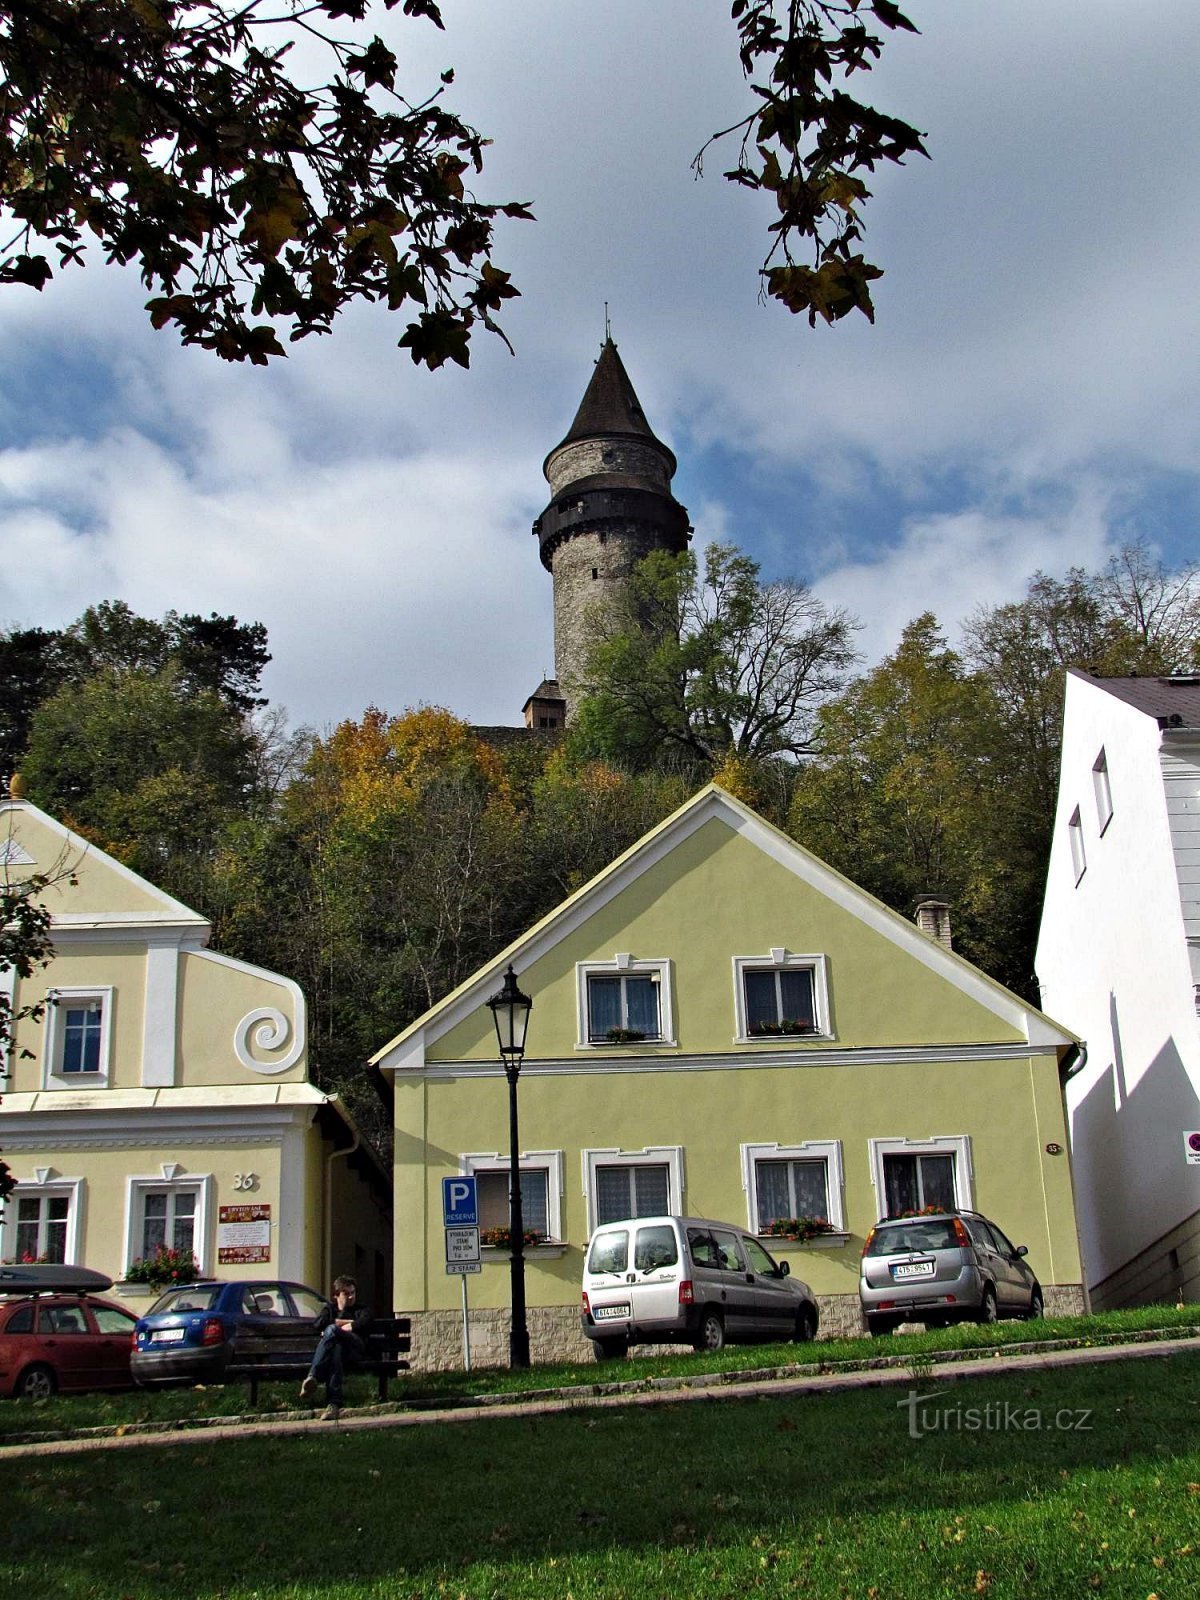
x: 912, y: 1182
x: 791, y: 1189
x: 168, y: 1219
x: 779, y: 998
x: 491, y: 1190
x: 624, y: 1001
x: 41, y: 1233
x: 631, y: 1190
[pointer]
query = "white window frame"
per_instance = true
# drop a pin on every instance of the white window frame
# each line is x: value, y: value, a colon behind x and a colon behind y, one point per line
x: 654, y: 1155
x: 548, y: 1161
x: 623, y: 965
x: 171, y: 1176
x: 45, y: 1188
x: 827, y: 1150
x: 56, y: 1029
x: 1075, y: 836
x: 781, y: 960
x: 1103, y: 790
x: 957, y: 1145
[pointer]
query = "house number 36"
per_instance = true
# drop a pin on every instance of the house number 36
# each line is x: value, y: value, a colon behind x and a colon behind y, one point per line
x: 245, y: 1180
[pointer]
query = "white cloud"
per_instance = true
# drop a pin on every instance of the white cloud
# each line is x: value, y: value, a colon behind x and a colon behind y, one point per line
x: 1032, y: 369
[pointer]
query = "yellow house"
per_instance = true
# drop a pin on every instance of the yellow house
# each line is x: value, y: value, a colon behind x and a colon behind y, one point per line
x: 723, y: 1026
x: 164, y: 1096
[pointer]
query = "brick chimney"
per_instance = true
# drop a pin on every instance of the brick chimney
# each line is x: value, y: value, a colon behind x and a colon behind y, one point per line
x: 933, y: 919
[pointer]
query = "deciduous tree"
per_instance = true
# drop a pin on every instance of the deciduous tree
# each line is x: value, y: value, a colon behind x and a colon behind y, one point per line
x: 700, y: 669
x: 260, y: 164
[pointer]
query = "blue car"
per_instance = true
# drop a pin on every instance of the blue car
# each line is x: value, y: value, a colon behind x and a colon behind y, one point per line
x: 195, y: 1331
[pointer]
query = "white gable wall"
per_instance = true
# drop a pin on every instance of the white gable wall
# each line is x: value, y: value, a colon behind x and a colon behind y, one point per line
x: 1114, y: 966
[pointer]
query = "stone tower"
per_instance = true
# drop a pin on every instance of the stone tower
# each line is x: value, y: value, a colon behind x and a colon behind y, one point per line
x: 611, y: 505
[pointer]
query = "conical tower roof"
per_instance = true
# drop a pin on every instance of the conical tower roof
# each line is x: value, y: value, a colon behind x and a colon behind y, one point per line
x: 610, y: 406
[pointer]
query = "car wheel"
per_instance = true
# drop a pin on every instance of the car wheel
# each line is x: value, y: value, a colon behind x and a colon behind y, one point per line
x: 988, y: 1311
x: 611, y: 1349
x: 878, y: 1326
x: 1037, y: 1306
x: 806, y: 1325
x: 712, y: 1333
x: 36, y: 1383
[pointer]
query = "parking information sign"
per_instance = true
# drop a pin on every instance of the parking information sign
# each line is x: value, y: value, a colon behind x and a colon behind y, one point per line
x: 462, y: 1250
x: 1191, y: 1145
x: 459, y: 1205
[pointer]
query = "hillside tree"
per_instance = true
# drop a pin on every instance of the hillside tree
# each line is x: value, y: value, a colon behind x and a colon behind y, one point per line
x: 698, y: 667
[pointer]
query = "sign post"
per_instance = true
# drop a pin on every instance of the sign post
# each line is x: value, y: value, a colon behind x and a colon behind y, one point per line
x: 460, y: 1214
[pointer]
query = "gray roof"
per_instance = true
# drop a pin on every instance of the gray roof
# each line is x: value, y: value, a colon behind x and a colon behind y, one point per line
x: 609, y: 404
x: 1164, y: 699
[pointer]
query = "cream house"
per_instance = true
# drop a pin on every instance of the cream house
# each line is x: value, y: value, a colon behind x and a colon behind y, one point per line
x: 723, y: 1026
x: 164, y: 1098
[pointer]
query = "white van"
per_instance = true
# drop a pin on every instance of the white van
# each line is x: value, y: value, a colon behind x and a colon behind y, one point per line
x: 687, y: 1280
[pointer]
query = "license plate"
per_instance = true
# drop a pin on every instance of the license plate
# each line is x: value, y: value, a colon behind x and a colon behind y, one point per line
x: 913, y: 1269
x: 166, y: 1335
x: 604, y: 1313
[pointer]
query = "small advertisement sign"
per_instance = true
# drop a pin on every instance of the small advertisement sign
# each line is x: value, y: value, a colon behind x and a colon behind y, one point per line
x: 243, y: 1234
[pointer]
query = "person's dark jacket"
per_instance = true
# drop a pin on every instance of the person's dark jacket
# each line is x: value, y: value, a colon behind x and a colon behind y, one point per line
x: 360, y: 1319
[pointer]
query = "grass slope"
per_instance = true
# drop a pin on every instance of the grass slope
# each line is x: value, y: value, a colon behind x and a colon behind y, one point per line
x: 824, y: 1496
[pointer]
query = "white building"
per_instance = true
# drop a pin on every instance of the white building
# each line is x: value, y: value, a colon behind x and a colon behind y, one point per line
x: 1119, y: 962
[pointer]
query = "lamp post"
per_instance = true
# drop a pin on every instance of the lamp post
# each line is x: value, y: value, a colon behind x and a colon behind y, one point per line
x: 510, y: 1011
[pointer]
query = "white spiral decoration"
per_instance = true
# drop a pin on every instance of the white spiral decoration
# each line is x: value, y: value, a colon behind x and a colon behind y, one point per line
x: 270, y: 1029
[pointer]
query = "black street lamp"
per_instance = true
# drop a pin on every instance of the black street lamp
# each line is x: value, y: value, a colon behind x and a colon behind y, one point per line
x: 510, y: 1010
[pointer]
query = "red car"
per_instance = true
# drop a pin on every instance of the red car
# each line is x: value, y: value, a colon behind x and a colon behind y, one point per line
x: 64, y: 1341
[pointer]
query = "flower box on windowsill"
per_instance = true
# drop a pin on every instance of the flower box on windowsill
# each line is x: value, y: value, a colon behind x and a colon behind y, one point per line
x: 836, y: 1239
x: 786, y: 1029
x: 125, y: 1290
x: 547, y: 1250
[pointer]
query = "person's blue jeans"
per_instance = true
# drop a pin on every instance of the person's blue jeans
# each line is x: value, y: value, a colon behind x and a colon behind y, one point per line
x: 336, y: 1349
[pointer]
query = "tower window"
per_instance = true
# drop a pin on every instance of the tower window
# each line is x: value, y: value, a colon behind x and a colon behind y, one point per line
x: 595, y: 573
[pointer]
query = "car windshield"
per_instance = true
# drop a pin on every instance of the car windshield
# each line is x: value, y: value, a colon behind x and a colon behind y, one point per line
x: 195, y: 1297
x: 924, y: 1233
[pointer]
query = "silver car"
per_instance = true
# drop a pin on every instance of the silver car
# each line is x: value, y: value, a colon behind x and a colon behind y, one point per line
x: 687, y: 1280
x: 941, y: 1267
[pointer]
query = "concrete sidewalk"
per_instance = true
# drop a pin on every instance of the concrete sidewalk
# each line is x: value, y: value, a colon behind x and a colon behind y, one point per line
x: 707, y: 1387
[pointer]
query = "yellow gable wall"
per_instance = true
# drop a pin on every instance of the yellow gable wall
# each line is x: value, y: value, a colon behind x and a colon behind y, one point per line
x: 214, y: 998
x: 716, y: 895
x: 1010, y: 1109
x: 101, y: 889
x: 119, y: 966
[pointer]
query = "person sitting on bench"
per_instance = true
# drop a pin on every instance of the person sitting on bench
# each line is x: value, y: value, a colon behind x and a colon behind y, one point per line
x: 343, y: 1329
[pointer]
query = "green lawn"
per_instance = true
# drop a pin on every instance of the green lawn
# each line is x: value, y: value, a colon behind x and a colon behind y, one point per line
x: 814, y: 1496
x: 64, y: 1414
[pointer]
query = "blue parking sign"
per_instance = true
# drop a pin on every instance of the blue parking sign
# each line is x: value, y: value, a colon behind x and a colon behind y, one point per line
x: 458, y: 1202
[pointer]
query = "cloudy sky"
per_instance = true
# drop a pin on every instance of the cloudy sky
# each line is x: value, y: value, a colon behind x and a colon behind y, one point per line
x: 1026, y: 398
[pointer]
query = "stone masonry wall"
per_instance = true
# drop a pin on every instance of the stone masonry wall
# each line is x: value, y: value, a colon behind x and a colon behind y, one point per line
x: 588, y: 457
x: 555, y: 1335
x: 589, y: 568
x: 1165, y: 1272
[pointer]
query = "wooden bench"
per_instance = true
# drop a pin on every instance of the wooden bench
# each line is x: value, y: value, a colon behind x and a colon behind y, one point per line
x: 388, y: 1341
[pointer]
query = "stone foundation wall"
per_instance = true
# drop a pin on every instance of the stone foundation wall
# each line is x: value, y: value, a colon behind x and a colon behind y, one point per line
x: 1164, y: 1273
x: 555, y: 1335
